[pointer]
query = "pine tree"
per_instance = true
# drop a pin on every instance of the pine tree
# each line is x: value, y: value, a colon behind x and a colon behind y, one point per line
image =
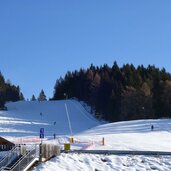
x: 2, y: 80
x: 8, y: 92
x: 42, y: 96
x: 33, y: 98
x: 22, y: 97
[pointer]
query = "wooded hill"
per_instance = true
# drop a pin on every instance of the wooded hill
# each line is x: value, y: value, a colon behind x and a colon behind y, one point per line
x: 8, y: 92
x: 120, y: 93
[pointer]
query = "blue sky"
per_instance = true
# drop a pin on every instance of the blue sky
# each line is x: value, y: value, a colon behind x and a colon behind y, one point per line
x: 40, y: 40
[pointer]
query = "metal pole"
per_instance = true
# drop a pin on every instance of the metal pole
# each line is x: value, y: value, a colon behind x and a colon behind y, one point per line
x: 40, y: 150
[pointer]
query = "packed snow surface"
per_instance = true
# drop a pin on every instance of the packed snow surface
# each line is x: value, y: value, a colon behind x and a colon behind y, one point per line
x: 23, y: 120
x: 26, y: 118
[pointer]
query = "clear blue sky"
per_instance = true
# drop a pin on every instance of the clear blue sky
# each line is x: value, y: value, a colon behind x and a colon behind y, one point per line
x: 40, y: 40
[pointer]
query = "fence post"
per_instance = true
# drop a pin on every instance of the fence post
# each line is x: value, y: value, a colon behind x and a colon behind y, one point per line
x: 71, y: 140
x: 103, y: 141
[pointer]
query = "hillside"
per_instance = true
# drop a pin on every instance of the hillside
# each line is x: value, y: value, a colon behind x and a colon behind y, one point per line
x: 25, y: 118
x: 132, y: 135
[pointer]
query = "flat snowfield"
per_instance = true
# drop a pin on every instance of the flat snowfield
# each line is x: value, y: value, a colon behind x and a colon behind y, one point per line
x: 23, y: 120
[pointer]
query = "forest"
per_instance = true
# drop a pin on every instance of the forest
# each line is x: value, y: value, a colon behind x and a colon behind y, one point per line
x: 114, y: 93
x: 119, y: 93
x: 8, y: 92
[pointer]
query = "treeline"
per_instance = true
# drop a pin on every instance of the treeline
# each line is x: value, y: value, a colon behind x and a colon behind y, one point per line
x: 120, y: 93
x: 8, y: 92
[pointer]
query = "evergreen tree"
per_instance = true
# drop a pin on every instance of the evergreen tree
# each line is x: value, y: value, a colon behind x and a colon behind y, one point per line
x: 22, y: 97
x: 42, y: 96
x: 2, y: 80
x: 33, y: 98
x: 8, y: 92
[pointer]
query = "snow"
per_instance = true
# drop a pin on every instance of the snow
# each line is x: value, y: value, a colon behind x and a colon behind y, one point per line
x: 26, y: 118
x: 132, y: 135
x: 23, y: 120
x: 89, y: 162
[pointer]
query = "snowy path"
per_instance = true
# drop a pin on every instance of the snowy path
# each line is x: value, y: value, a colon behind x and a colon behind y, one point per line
x: 120, y: 152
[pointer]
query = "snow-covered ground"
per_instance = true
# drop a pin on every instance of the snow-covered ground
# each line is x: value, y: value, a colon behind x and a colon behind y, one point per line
x: 89, y: 162
x: 26, y: 118
x: 132, y: 135
x: 23, y: 120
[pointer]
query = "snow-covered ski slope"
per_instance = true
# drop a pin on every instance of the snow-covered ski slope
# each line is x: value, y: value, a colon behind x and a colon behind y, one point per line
x: 132, y: 135
x: 25, y: 118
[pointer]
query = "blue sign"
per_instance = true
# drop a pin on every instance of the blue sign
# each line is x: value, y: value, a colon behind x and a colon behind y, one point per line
x: 41, y: 132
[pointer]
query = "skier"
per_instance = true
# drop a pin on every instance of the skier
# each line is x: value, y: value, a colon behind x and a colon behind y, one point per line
x: 152, y: 127
x: 54, y: 136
